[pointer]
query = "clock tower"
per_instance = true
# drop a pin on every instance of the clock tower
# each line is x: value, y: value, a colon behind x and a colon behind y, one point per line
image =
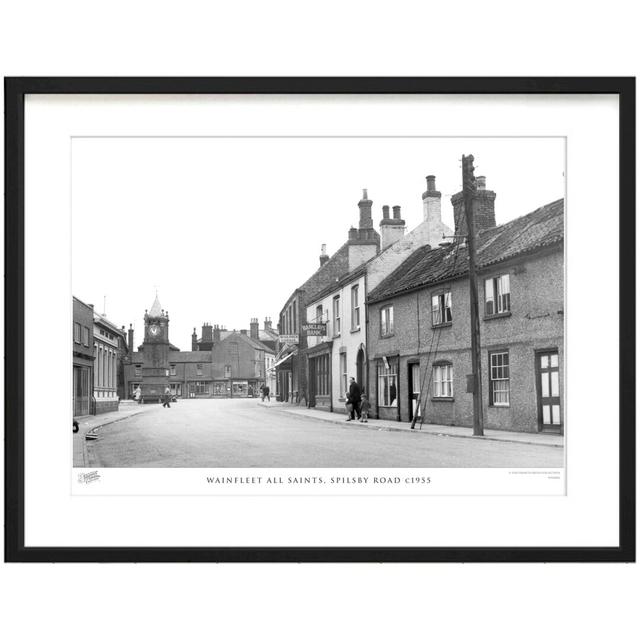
x: 155, y: 353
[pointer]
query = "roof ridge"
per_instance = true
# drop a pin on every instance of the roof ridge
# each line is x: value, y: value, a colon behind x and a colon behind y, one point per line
x: 537, y: 229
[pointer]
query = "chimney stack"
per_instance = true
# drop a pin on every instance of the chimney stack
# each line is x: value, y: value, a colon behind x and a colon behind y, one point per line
x: 324, y: 258
x: 267, y: 324
x: 484, y: 213
x: 364, y: 242
x: 194, y: 340
x: 207, y: 333
x: 216, y: 333
x: 253, y: 328
x: 130, y: 338
x: 432, y: 202
x: 243, y: 332
x: 366, y: 221
x: 391, y: 229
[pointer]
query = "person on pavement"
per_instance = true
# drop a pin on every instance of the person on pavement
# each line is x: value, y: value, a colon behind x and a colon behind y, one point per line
x: 353, y: 398
x: 166, y: 398
x: 365, y: 407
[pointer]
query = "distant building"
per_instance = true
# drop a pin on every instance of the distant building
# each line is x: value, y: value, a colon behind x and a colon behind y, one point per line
x: 238, y: 366
x: 222, y: 364
x: 269, y: 338
x: 419, y: 325
x: 82, y: 357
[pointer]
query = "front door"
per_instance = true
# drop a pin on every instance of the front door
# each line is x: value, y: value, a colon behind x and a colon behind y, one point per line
x: 312, y: 382
x: 548, y: 373
x: 360, y: 369
x: 414, y: 390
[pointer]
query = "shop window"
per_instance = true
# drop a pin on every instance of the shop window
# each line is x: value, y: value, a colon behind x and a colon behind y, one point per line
x: 387, y: 384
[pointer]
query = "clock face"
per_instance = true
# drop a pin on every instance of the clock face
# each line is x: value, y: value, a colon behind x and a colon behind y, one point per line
x: 154, y: 329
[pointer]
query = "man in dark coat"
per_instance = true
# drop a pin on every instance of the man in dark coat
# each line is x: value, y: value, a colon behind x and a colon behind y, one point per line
x: 354, y: 398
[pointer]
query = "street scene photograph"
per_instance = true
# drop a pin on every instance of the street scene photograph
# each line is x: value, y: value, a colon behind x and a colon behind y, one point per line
x: 318, y: 302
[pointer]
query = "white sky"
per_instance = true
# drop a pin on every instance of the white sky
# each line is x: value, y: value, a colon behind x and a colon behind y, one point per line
x: 226, y: 228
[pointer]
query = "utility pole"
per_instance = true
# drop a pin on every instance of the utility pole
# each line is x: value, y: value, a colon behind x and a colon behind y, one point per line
x: 469, y: 190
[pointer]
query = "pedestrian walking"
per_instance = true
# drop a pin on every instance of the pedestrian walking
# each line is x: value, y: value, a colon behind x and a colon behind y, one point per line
x: 266, y: 393
x: 353, y: 398
x: 365, y: 406
x: 137, y: 394
x: 166, y: 398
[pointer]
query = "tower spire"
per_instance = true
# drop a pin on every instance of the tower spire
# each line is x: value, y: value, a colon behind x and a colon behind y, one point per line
x: 156, y: 308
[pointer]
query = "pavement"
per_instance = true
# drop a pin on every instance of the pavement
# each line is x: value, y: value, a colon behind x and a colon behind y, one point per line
x: 91, y: 424
x: 245, y: 433
x: 546, y: 439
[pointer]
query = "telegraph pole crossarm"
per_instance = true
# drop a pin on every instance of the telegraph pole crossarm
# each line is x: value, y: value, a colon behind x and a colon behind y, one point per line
x: 469, y: 190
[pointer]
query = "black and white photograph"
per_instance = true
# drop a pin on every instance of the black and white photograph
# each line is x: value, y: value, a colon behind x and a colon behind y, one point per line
x: 318, y: 302
x: 355, y: 315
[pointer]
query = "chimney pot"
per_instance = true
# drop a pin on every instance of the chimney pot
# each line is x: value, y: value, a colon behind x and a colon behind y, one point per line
x: 366, y: 221
x: 324, y: 258
x: 385, y: 212
x: 396, y: 212
x: 431, y: 183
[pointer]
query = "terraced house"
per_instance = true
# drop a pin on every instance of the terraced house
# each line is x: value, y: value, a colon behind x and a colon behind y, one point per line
x: 419, y: 326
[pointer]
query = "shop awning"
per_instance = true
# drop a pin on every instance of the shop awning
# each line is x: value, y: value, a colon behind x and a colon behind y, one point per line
x: 279, y: 362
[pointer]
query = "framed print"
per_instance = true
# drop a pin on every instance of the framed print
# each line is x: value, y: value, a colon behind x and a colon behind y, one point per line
x: 320, y: 319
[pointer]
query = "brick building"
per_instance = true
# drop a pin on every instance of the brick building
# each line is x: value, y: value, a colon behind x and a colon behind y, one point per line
x: 419, y: 325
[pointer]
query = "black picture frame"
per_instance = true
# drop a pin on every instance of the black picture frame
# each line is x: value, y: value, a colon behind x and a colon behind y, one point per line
x: 15, y: 91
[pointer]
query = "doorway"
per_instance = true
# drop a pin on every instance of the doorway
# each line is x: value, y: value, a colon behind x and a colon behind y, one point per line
x: 312, y: 382
x: 414, y: 390
x: 360, y: 369
x: 548, y: 391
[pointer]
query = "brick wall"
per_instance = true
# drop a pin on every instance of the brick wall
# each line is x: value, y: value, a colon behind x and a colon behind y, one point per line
x: 536, y: 322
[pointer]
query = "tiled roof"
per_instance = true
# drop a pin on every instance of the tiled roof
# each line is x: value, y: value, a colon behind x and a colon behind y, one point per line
x: 340, y: 282
x: 243, y: 336
x: 540, y: 228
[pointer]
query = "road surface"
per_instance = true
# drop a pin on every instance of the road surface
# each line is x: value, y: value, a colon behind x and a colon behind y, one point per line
x: 241, y: 433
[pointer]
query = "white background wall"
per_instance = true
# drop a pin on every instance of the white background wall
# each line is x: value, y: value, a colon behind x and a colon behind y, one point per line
x: 316, y: 601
